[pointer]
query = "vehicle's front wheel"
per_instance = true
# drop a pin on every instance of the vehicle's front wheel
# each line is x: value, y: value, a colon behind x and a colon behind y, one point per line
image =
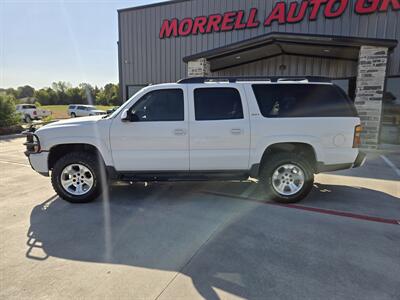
x: 76, y: 177
x: 287, y: 178
x: 73, y: 115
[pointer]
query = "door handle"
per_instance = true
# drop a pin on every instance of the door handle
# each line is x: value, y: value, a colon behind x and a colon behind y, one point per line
x: 236, y: 131
x: 180, y: 132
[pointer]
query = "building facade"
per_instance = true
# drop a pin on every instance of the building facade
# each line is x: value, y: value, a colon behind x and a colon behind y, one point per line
x: 353, y: 42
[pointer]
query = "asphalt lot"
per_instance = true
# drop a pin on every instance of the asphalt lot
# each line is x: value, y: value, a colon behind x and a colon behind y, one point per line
x: 200, y: 240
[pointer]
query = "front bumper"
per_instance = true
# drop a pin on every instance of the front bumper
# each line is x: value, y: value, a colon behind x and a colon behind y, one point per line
x: 360, y: 160
x: 39, y: 163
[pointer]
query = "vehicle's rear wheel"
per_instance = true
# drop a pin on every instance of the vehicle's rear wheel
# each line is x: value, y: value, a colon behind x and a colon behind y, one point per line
x: 73, y: 115
x: 287, y: 177
x: 76, y: 177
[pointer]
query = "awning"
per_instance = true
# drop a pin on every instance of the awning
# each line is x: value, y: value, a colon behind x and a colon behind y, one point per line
x: 274, y: 44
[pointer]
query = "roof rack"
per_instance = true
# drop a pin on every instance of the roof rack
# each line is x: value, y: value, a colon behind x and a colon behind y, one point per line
x: 256, y: 78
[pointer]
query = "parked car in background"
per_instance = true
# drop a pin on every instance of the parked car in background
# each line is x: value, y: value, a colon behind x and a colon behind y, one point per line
x: 30, y: 112
x: 80, y: 110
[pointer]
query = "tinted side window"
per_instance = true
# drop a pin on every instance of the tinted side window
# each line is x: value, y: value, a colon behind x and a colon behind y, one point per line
x: 72, y: 107
x: 217, y: 104
x: 160, y: 106
x: 302, y: 100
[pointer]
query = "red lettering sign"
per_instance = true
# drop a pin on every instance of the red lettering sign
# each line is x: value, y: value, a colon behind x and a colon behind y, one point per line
x: 252, y: 22
x: 213, y: 23
x: 278, y: 14
x: 169, y: 28
x: 292, y: 17
x: 294, y: 12
x: 199, y: 25
x: 239, y: 20
x: 367, y: 6
x: 228, y: 21
x: 330, y: 12
x: 316, y: 5
x: 185, y: 27
x: 395, y: 4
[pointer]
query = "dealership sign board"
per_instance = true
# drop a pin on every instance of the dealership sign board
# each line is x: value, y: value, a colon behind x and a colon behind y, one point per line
x: 282, y: 13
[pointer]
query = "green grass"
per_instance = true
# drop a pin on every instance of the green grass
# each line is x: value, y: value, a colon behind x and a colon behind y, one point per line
x: 61, y: 111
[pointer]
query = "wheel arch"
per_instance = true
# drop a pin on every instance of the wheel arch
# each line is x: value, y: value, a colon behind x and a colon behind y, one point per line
x: 300, y: 148
x: 58, y: 151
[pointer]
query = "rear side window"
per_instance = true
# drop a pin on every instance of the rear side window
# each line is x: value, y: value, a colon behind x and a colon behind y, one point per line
x: 302, y: 100
x: 161, y: 106
x: 217, y: 104
x: 72, y: 107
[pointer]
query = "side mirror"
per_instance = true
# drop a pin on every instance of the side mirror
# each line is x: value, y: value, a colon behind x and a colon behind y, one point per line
x: 125, y: 115
x: 128, y: 116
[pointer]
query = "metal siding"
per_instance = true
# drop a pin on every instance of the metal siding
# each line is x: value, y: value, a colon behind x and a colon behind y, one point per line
x: 152, y: 60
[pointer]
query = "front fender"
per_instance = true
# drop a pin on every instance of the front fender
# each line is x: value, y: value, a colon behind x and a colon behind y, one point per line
x: 99, y: 143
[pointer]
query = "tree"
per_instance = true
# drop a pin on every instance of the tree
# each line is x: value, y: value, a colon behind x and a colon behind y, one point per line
x: 8, y: 114
x: 74, y: 96
x: 87, y: 93
x: 12, y: 92
x: 109, y: 95
x: 42, y: 97
x: 61, y: 88
x: 25, y: 91
x: 46, y: 96
x: 62, y: 92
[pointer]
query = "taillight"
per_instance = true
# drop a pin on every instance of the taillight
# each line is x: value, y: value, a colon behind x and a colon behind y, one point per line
x: 357, y: 136
x: 34, y: 113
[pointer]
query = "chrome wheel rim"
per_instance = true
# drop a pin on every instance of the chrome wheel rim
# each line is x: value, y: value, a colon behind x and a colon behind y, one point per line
x: 76, y: 179
x: 288, y: 179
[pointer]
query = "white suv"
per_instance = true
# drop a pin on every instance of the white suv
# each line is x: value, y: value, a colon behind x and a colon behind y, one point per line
x: 80, y: 110
x: 280, y: 131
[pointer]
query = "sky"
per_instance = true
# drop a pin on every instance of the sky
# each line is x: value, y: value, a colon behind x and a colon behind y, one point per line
x: 43, y: 41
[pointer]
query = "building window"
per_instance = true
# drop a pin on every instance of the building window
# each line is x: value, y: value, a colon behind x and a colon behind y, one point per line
x: 390, y: 129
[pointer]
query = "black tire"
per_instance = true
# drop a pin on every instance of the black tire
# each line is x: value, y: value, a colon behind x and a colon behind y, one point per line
x: 28, y: 119
x: 73, y: 115
x: 273, y: 163
x: 88, y: 160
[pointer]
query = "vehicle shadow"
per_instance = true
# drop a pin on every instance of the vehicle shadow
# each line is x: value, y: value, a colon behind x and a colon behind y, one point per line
x: 245, y: 248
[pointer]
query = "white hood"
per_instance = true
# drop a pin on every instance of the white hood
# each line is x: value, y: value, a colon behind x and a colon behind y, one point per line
x: 74, y: 121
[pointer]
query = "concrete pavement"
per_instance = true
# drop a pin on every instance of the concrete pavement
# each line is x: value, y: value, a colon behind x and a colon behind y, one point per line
x: 199, y: 240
